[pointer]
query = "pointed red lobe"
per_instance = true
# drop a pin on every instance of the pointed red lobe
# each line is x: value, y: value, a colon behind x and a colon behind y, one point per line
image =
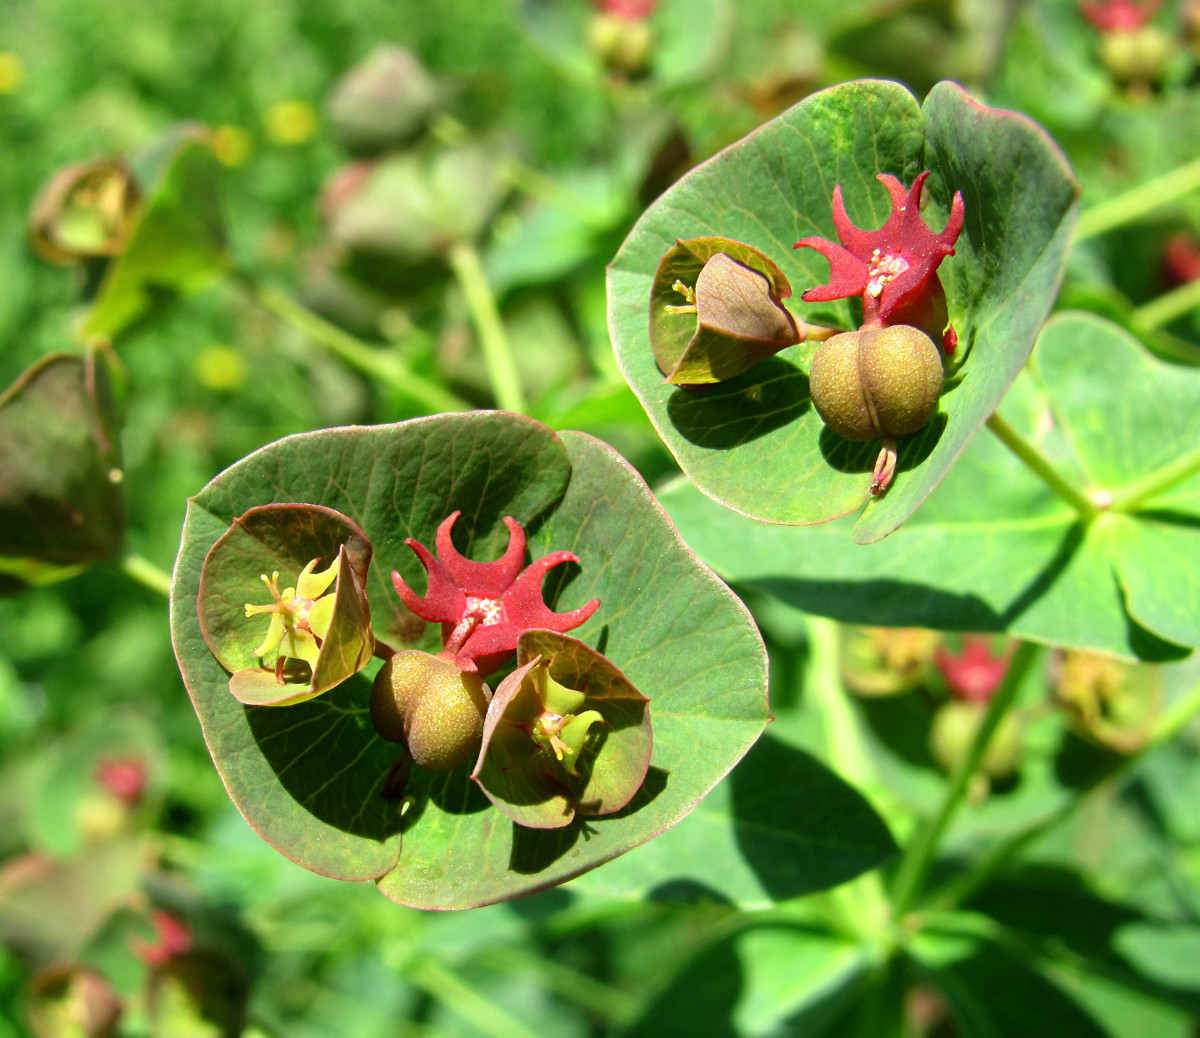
x: 496, y: 597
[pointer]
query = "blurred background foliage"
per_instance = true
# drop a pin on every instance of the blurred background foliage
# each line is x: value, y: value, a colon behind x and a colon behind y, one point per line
x: 129, y: 872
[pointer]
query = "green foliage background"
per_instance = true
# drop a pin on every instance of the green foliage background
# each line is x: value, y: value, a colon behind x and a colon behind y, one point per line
x: 705, y: 929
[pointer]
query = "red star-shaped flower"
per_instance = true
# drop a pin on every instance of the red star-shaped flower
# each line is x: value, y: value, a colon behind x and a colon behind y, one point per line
x: 1119, y: 15
x: 894, y: 269
x: 631, y: 9
x: 484, y: 607
x: 973, y: 674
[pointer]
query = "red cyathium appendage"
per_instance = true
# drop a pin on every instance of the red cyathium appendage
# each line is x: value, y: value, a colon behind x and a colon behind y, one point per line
x: 1119, y: 15
x: 484, y: 607
x: 893, y: 269
x: 974, y: 673
x: 630, y: 9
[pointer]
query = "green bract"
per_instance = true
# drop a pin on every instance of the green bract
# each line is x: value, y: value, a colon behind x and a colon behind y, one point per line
x: 565, y: 734
x: 716, y: 311
x: 755, y: 443
x: 310, y: 777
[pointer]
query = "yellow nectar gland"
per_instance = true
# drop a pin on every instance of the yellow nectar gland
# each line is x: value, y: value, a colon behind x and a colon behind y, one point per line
x: 546, y: 730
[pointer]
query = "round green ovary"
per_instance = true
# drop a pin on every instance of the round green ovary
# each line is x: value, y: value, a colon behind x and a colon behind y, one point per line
x: 431, y: 706
x: 876, y: 382
x: 953, y: 730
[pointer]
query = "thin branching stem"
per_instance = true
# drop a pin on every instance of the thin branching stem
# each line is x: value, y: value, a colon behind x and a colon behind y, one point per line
x: 921, y: 851
x: 146, y: 573
x: 488, y: 1018
x: 1131, y: 497
x: 485, y: 315
x: 1132, y: 205
x: 1037, y: 461
x: 385, y: 367
x: 1166, y: 308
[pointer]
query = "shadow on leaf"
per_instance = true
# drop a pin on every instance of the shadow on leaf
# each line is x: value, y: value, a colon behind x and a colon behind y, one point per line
x: 329, y: 759
x: 799, y: 826
x: 536, y: 849
x: 847, y: 456
x: 768, y: 396
x: 885, y: 602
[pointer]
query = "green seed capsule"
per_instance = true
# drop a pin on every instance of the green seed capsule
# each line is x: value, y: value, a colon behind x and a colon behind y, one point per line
x: 877, y: 382
x: 431, y: 706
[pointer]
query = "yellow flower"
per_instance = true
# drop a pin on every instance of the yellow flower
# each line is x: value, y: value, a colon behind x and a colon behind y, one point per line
x: 232, y: 145
x: 220, y: 367
x: 12, y: 72
x: 290, y: 122
x: 299, y: 616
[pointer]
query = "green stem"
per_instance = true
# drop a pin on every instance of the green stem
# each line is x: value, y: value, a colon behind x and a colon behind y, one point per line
x: 1130, y: 497
x: 1034, y: 458
x: 437, y: 981
x: 860, y: 907
x: 1167, y: 307
x: 387, y: 368
x: 995, y: 861
x: 146, y: 573
x: 843, y: 735
x: 919, y: 854
x: 485, y: 314
x: 1138, y: 201
x: 569, y: 984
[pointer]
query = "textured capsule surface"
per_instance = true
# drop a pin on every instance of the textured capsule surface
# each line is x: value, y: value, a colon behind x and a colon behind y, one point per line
x: 877, y: 382
x: 431, y: 706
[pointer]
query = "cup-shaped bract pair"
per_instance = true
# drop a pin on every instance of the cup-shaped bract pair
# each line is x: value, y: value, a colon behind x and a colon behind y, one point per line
x: 318, y: 629
x: 716, y: 310
x: 566, y: 734
x: 84, y: 211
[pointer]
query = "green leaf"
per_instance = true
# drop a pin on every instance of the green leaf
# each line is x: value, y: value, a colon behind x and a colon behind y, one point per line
x: 309, y: 778
x: 1106, y: 951
x: 783, y: 825
x: 767, y: 979
x: 995, y: 989
x: 61, y: 500
x: 284, y: 539
x: 992, y: 550
x: 755, y: 443
x: 178, y: 244
x: 393, y: 482
x: 1127, y: 414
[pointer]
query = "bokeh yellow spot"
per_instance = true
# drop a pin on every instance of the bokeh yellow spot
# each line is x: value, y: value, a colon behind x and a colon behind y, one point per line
x: 232, y: 145
x: 290, y: 122
x: 220, y: 367
x: 12, y: 72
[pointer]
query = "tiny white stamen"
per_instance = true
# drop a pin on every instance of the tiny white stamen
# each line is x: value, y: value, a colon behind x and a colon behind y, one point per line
x: 882, y: 269
x: 490, y: 610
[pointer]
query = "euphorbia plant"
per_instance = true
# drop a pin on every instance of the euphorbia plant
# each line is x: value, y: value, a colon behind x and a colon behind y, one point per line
x: 1004, y: 198
x: 432, y: 838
